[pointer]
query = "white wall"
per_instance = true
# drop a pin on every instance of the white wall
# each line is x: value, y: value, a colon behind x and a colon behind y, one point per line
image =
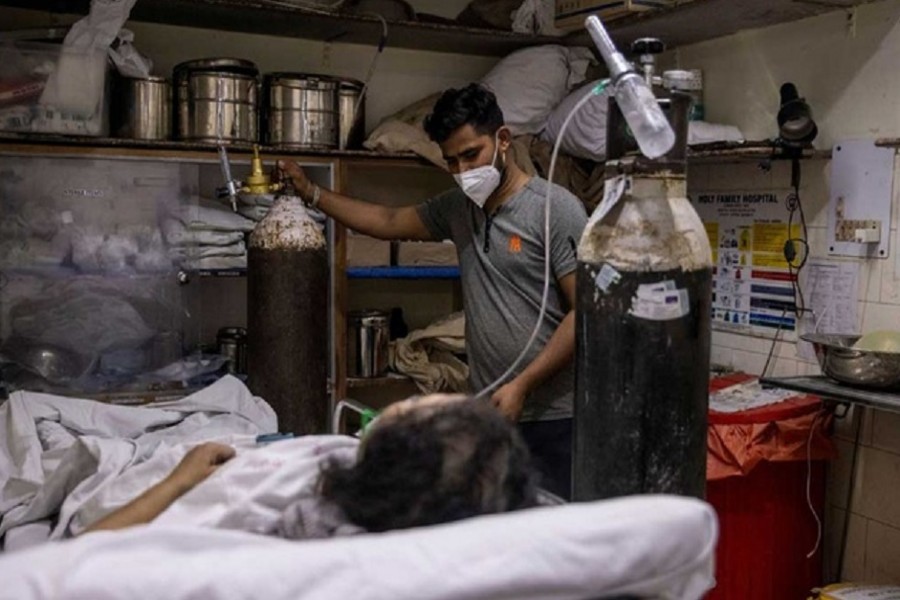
x: 849, y: 75
x: 852, y: 82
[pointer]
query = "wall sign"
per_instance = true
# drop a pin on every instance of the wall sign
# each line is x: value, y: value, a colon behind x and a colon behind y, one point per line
x: 752, y: 285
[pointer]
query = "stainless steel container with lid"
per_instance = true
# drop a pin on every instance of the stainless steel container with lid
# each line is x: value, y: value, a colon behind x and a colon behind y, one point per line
x: 368, y: 334
x: 232, y: 344
x: 301, y: 110
x: 352, y: 130
x: 142, y: 108
x: 217, y: 100
x: 689, y: 82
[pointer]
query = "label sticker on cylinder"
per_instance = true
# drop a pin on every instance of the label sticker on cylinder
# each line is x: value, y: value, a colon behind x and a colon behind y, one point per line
x: 607, y: 277
x: 661, y: 301
x: 613, y: 189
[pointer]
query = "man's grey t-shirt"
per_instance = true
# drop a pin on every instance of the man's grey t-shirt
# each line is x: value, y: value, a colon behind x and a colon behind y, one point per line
x: 501, y: 260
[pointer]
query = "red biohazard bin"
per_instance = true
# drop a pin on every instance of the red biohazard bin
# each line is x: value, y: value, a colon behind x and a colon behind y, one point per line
x: 757, y: 481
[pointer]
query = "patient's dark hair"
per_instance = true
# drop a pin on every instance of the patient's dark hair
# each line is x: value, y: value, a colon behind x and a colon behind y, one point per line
x: 434, y: 465
x: 473, y: 105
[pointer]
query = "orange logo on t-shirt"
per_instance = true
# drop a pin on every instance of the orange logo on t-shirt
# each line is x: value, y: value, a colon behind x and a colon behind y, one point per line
x: 515, y: 244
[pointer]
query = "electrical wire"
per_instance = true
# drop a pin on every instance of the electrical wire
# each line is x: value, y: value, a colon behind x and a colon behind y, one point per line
x: 809, y: 503
x: 598, y: 89
x: 795, y: 205
x: 378, y: 52
x: 775, y: 340
x: 329, y: 10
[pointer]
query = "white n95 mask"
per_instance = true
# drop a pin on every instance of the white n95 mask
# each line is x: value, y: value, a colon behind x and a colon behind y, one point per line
x: 479, y: 183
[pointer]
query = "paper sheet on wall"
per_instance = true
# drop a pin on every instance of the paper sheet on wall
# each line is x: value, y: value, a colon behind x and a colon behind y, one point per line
x: 831, y: 289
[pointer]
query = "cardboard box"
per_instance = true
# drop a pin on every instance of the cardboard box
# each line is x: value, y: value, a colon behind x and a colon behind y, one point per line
x: 570, y: 14
x: 426, y: 254
x: 365, y: 251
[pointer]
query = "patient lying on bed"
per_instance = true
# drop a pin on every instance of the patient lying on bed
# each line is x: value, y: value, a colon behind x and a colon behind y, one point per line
x: 424, y: 461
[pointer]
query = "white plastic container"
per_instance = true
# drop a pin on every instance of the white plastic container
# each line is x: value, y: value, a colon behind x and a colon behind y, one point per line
x: 45, y: 88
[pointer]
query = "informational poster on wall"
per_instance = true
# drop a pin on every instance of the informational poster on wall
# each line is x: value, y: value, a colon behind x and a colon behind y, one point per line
x: 753, y: 288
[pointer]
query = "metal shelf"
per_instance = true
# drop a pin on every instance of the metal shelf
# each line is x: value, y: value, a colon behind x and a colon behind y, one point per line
x: 384, y: 381
x: 715, y: 152
x: 754, y: 150
x: 219, y: 273
x: 403, y: 273
x: 700, y: 20
x: 163, y: 148
x: 258, y: 16
x: 830, y: 389
x: 685, y: 23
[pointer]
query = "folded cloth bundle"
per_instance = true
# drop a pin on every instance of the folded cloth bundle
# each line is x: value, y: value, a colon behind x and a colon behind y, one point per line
x: 177, y: 234
x: 202, y: 237
x: 206, y: 218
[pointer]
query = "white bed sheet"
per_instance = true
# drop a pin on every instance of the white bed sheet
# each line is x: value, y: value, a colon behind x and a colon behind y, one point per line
x: 647, y: 546
x: 61, y: 455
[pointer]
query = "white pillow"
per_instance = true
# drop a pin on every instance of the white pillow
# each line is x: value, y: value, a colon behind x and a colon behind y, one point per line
x: 530, y: 82
x: 642, y: 546
x: 586, y: 135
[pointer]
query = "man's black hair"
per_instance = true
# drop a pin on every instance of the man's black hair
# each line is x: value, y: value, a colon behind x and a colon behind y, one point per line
x: 473, y: 105
x: 434, y: 465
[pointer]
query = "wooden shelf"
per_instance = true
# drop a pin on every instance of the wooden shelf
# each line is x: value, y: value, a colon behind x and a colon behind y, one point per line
x: 683, y: 24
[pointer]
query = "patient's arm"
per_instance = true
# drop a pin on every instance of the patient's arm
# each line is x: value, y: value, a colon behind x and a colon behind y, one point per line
x: 196, y: 466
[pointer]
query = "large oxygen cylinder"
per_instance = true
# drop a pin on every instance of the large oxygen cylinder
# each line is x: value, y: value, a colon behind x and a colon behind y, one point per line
x: 287, y: 353
x: 644, y: 294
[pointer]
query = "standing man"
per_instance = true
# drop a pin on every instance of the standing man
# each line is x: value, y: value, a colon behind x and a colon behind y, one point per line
x: 496, y: 219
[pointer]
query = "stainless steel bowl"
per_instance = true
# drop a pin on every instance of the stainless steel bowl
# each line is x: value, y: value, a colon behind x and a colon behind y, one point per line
x: 54, y: 364
x: 862, y: 368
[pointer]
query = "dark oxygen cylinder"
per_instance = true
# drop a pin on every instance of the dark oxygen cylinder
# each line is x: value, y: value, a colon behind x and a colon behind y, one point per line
x: 644, y: 294
x: 287, y: 353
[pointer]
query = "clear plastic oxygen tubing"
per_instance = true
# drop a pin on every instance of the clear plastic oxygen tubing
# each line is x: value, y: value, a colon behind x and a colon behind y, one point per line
x: 598, y: 89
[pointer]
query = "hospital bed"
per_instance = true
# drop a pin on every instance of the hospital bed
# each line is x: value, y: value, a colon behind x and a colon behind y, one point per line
x: 67, y: 461
x: 640, y: 547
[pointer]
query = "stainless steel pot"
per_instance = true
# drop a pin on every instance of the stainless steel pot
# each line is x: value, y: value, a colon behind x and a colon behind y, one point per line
x: 368, y: 334
x: 352, y: 130
x: 217, y: 100
x: 301, y: 110
x: 232, y: 344
x: 142, y: 108
x: 862, y: 368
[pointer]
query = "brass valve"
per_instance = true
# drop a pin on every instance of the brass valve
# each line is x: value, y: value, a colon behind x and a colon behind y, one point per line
x: 259, y: 182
